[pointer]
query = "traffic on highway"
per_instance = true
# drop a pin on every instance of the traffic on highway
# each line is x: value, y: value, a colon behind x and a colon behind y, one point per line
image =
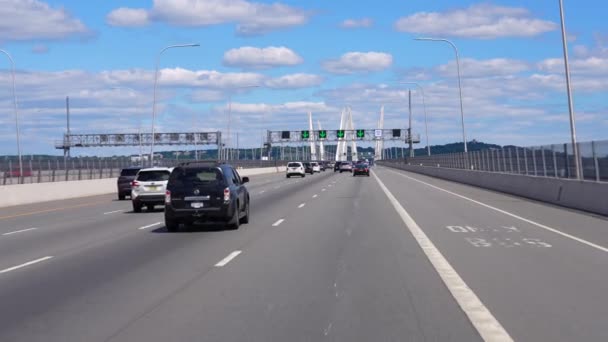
x: 303, y: 171
x: 301, y: 258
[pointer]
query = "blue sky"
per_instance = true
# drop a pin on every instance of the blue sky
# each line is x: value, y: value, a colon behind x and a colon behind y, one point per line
x: 317, y: 56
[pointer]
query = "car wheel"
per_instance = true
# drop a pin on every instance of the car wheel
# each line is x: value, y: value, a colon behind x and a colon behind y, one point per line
x: 171, y: 225
x: 150, y: 207
x: 235, y: 222
x: 121, y: 197
x: 288, y: 176
x: 245, y: 218
x: 136, y: 207
x: 303, y: 175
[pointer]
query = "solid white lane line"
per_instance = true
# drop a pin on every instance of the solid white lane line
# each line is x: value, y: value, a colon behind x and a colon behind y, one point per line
x: 113, y: 212
x: 301, y: 205
x: 228, y: 259
x: 263, y: 191
x: 150, y: 225
x: 315, y: 196
x: 482, y: 319
x: 19, y: 231
x: 26, y: 264
x: 553, y: 230
x: 278, y: 223
x: 323, y: 189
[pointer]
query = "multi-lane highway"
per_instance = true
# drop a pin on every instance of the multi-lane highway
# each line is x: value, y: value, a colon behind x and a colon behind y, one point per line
x: 391, y: 257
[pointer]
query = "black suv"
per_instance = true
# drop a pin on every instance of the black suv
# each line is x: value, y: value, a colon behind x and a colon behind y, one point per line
x: 337, y: 166
x: 123, y: 184
x: 206, y: 191
x: 308, y: 168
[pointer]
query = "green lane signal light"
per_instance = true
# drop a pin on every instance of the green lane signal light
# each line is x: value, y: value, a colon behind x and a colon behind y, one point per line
x: 360, y: 133
x: 322, y: 134
x: 340, y: 133
x: 305, y: 134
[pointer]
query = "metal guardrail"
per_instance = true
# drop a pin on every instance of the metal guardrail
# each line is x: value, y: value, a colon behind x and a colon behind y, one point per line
x: 58, y: 169
x: 555, y: 161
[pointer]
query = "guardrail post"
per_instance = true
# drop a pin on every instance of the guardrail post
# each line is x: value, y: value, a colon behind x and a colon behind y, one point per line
x: 510, y: 160
x: 534, y: 161
x: 517, y: 160
x: 31, y: 172
x: 596, y: 164
x: 554, y: 161
x: 10, y: 170
x: 542, y: 155
x: 53, y: 174
x: 567, y: 161
x: 526, y: 160
x: 39, y: 176
x: 504, y: 160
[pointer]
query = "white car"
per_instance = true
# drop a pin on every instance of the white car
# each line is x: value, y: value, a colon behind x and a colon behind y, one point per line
x: 295, y: 169
x: 149, y: 188
x: 316, y: 167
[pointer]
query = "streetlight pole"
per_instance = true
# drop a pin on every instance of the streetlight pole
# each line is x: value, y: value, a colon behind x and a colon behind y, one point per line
x: 154, y: 96
x: 16, y: 115
x: 426, y: 126
x: 569, y: 91
x: 464, y: 137
x: 229, y: 140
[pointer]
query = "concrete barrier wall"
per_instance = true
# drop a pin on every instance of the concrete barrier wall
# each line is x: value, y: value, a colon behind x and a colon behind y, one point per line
x: 18, y: 194
x: 587, y: 196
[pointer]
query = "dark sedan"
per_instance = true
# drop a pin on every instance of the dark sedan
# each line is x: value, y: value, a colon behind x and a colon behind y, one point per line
x: 361, y: 169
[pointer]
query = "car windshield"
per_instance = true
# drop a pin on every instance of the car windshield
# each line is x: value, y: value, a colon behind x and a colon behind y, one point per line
x: 293, y: 165
x: 129, y: 172
x: 153, y: 176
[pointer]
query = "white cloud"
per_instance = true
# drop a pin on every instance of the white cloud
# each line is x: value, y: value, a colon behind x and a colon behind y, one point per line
x: 357, y: 23
x: 288, y: 107
x: 40, y: 49
x: 484, y: 68
x: 593, y: 66
x: 35, y: 20
x: 128, y: 17
x: 295, y: 81
x: 481, y: 21
x: 353, y: 62
x: 208, y: 96
x: 261, y: 58
x: 252, y: 18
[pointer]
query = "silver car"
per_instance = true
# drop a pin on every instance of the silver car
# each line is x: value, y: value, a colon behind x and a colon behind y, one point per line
x: 149, y: 188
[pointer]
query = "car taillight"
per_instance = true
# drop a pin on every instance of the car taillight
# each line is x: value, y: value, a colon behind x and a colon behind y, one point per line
x: 227, y: 195
x: 134, y: 184
x: 167, y: 197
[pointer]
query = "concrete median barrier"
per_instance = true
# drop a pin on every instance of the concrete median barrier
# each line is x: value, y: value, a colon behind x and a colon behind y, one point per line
x: 587, y: 196
x: 18, y: 194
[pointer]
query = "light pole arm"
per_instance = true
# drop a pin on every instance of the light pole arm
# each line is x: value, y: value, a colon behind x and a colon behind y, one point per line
x: 464, y: 136
x: 154, y: 95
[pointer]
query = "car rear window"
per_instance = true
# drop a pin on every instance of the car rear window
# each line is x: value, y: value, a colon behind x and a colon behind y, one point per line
x: 192, y: 176
x: 129, y: 172
x: 293, y: 165
x: 153, y: 176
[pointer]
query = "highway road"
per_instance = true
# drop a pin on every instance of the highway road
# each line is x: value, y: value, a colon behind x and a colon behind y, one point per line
x: 392, y: 257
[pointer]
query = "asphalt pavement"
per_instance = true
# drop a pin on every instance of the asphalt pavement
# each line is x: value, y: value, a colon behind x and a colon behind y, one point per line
x: 392, y: 257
